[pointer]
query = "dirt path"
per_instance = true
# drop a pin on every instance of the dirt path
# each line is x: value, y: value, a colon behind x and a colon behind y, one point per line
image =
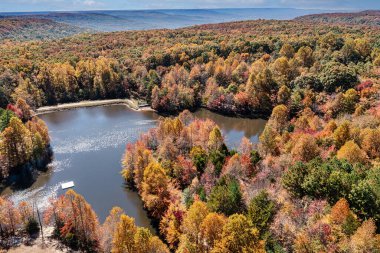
x: 131, y: 103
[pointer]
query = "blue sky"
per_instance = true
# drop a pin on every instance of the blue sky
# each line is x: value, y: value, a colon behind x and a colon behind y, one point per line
x: 66, y: 5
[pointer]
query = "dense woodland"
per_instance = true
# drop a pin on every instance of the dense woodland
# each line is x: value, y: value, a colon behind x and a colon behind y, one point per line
x: 310, y: 185
x: 371, y: 18
x: 24, y: 140
x: 32, y: 28
x: 243, y: 68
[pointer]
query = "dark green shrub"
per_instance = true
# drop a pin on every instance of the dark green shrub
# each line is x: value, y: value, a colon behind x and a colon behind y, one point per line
x: 32, y: 227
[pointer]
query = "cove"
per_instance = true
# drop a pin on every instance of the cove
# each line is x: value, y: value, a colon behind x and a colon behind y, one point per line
x: 88, y: 144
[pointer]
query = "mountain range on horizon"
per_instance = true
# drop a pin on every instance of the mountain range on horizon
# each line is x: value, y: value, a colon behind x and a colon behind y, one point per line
x: 54, y: 25
x: 122, y: 20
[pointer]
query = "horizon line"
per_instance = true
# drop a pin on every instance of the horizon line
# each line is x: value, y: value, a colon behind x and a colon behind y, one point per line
x: 213, y: 8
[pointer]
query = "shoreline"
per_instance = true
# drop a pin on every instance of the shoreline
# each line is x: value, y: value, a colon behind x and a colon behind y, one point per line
x: 134, y: 104
x: 130, y: 103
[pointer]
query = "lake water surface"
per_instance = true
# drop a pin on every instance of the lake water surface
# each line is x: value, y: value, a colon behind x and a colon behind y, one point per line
x: 88, y: 144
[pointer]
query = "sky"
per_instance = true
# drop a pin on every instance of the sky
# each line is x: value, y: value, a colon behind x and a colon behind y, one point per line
x: 75, y: 5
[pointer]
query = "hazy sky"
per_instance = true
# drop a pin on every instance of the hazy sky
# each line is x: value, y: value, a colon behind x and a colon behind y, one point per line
x: 58, y: 5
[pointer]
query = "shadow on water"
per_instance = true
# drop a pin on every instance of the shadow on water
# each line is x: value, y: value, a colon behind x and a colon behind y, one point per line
x: 23, y: 177
x: 234, y: 128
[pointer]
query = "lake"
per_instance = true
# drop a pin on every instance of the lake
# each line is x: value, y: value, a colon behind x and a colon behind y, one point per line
x: 88, y: 144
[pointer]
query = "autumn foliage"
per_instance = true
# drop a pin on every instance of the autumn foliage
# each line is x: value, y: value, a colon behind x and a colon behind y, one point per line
x: 311, y: 184
x: 23, y: 139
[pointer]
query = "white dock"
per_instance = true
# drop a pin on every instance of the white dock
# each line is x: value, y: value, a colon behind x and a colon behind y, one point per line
x: 67, y: 185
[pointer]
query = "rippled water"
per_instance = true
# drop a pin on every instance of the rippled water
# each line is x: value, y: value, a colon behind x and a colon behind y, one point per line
x: 88, y: 144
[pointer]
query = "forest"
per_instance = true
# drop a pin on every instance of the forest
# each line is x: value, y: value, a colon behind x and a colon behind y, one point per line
x: 33, y: 28
x: 370, y: 17
x: 311, y: 184
x: 24, y: 141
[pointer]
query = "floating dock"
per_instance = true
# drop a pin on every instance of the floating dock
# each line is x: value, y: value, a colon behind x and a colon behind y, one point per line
x: 67, y: 185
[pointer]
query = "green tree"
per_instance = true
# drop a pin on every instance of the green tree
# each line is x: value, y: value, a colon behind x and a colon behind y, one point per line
x: 363, y: 200
x: 5, y: 118
x: 308, y: 81
x: 335, y: 75
x: 226, y: 197
x: 294, y: 177
x: 199, y: 158
x: 260, y: 211
x: 218, y: 158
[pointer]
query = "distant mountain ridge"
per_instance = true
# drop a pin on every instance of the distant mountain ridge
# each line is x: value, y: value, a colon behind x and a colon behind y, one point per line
x: 369, y: 17
x: 21, y: 28
x: 53, y: 25
x: 118, y: 20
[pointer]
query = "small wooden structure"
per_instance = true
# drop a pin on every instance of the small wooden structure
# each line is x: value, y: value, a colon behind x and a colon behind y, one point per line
x: 67, y: 185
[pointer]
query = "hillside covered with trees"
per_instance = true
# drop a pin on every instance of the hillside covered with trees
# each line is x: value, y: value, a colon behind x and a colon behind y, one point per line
x: 371, y: 18
x: 31, y: 28
x: 243, y: 68
x: 310, y: 185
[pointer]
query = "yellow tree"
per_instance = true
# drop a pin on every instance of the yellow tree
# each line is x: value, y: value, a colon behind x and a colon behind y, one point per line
x: 282, y: 70
x: 36, y: 125
x: 342, y: 134
x: 145, y: 242
x: 211, y: 230
x: 305, y: 56
x: 365, y: 238
x: 352, y: 153
x: 123, y: 237
x: 128, y: 238
x: 191, y: 225
x: 305, y: 149
x: 62, y: 76
x: 371, y: 142
x: 268, y: 144
x: 108, y: 228
x: 287, y: 51
x: 260, y: 88
x: 279, y: 118
x: 106, y: 79
x: 85, y: 73
x: 155, y: 189
x: 136, y: 158
x: 215, y: 139
x: 16, y: 145
x: 239, y: 236
x: 28, y: 92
